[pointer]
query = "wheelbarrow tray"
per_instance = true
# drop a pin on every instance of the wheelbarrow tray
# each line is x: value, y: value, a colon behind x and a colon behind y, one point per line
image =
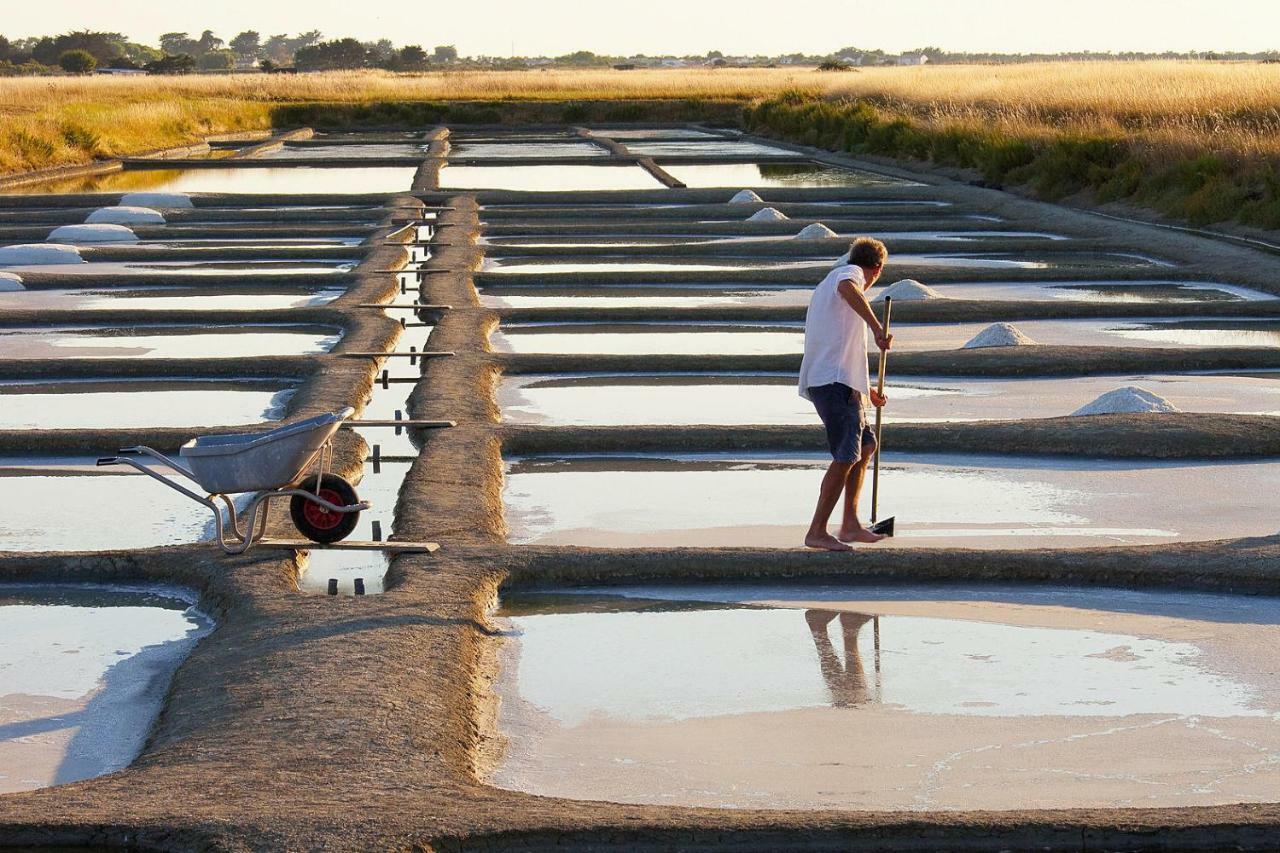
x: 252, y: 462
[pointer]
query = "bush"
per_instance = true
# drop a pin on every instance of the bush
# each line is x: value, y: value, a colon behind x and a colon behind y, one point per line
x: 81, y: 137
x: 77, y: 62
x: 181, y: 63
x: 217, y: 60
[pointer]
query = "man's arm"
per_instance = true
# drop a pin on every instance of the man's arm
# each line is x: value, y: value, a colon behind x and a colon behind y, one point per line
x: 851, y: 294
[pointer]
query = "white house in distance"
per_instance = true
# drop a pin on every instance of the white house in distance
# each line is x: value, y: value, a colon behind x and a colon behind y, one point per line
x: 913, y: 59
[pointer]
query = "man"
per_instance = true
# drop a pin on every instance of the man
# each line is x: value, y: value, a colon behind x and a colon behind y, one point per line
x: 834, y: 376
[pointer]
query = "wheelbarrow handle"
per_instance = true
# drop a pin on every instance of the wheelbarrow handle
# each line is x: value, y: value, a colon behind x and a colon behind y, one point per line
x: 116, y: 460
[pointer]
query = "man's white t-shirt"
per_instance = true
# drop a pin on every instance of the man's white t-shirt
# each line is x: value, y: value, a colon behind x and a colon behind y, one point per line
x: 835, y: 337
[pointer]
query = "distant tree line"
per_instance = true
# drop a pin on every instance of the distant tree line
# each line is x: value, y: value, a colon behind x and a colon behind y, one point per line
x: 84, y: 51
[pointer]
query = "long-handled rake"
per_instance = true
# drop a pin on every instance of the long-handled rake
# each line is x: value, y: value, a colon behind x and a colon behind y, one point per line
x: 886, y: 526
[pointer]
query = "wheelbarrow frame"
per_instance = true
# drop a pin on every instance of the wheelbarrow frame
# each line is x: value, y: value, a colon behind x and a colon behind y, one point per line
x: 254, y: 516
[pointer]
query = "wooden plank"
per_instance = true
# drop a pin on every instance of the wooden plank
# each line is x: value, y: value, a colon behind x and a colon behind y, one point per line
x: 409, y: 306
x: 393, y: 547
x: 423, y: 354
x: 402, y: 423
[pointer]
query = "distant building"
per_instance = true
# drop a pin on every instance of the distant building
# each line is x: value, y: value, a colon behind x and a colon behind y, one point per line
x: 674, y: 63
x: 913, y: 59
x: 121, y: 72
x: 851, y: 59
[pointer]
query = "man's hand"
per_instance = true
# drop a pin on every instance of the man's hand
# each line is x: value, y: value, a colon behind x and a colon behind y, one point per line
x: 877, y: 399
x: 884, y: 341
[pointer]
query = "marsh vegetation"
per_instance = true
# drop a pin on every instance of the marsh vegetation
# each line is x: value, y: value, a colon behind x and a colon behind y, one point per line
x: 1196, y: 140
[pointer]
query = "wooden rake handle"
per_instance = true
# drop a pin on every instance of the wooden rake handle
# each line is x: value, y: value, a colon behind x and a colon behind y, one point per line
x: 875, y: 470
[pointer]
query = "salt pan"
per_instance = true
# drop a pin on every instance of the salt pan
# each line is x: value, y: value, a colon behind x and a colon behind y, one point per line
x: 10, y: 282
x: 998, y: 335
x: 171, y: 201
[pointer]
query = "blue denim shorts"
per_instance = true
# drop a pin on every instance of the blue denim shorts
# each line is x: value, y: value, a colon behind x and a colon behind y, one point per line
x: 845, y: 419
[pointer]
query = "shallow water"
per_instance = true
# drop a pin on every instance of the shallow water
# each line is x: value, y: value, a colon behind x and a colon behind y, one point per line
x: 193, y: 269
x: 344, y: 567
x: 791, y: 175
x: 86, y: 519
x: 641, y: 295
x: 346, y: 151
x: 1108, y: 333
x: 157, y: 342
x: 548, y: 178
x: 628, y: 241
x: 624, y: 134
x: 691, y: 295
x: 111, y: 404
x: 729, y: 399
x: 518, y: 265
x: 910, y: 698
x: 654, y: 399
x: 781, y: 338
x: 1149, y: 292
x: 707, y: 148
x: 293, y: 180
x: 168, y: 299
x: 83, y: 673
x: 653, y: 339
x: 549, y: 150
x: 962, y: 500
x: 382, y: 490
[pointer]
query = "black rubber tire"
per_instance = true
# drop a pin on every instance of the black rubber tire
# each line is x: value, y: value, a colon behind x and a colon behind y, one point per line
x: 317, y: 523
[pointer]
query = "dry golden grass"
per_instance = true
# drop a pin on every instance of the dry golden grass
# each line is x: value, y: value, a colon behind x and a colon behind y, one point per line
x: 1219, y: 107
x: 1228, y: 108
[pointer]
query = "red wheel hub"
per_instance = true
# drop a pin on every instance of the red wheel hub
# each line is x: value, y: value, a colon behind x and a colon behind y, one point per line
x: 318, y: 516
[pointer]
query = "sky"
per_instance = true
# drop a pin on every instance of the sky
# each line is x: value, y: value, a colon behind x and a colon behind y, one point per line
x: 771, y: 27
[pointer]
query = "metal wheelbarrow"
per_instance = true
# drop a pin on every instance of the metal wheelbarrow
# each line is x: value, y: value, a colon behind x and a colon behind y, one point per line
x: 274, y: 464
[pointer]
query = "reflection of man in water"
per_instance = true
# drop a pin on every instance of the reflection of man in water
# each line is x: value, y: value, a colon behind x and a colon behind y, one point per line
x: 848, y: 681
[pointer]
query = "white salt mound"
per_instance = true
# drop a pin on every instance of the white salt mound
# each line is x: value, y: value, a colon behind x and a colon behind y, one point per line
x: 92, y: 234
x: 908, y: 290
x: 125, y: 216
x: 162, y: 201
x: 767, y: 214
x: 816, y: 231
x: 10, y: 282
x: 33, y: 254
x: 999, y: 335
x: 1128, y: 400
x: 745, y: 197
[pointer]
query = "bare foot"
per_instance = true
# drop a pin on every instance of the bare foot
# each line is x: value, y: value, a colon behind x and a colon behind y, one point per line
x: 825, y: 542
x: 860, y: 534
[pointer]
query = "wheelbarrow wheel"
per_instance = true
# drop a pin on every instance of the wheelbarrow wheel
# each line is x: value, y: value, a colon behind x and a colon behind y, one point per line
x: 317, y: 523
